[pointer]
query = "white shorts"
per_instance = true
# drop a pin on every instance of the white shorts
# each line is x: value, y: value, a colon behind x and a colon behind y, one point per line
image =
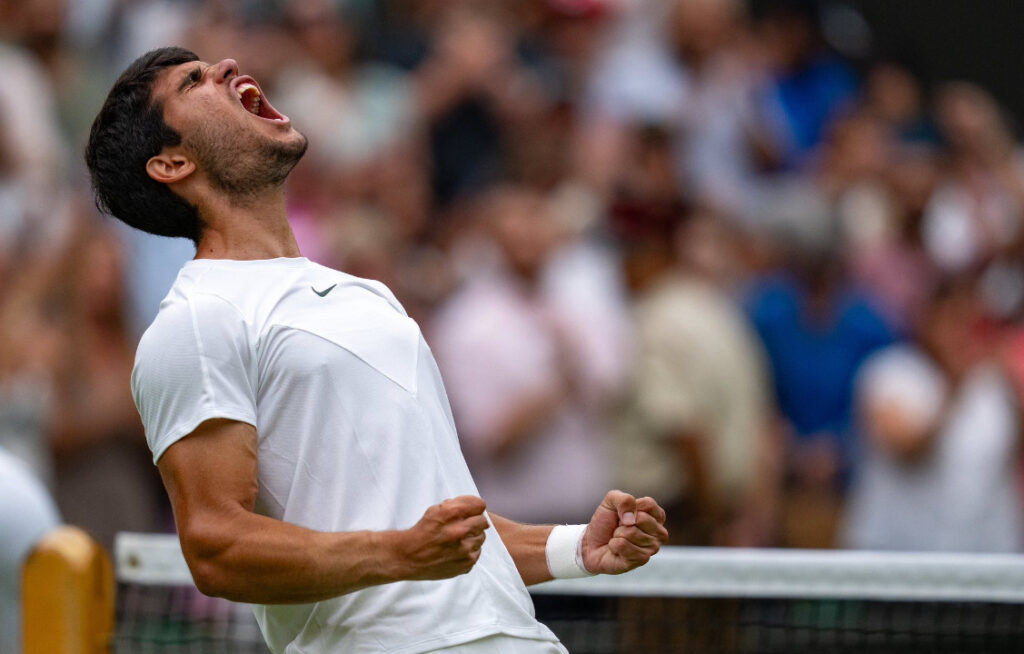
x: 502, y: 644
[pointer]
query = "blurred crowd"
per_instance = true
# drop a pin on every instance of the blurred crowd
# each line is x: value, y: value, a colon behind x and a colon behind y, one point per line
x: 705, y: 250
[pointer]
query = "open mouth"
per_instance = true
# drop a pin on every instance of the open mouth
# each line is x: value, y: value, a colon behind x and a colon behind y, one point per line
x: 251, y: 97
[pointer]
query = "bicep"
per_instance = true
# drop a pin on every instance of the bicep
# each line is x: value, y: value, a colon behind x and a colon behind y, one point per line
x: 211, y: 475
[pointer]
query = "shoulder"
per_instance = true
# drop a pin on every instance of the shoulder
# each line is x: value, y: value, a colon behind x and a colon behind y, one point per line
x: 196, y: 361
x: 345, y: 280
x: 381, y: 290
x: 186, y: 315
x: 193, y: 333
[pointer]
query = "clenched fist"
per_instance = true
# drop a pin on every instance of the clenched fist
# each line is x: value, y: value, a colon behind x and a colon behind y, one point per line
x: 624, y: 533
x: 447, y: 539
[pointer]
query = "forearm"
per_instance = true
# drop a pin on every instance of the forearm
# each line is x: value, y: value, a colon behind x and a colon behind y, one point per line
x: 527, y: 545
x: 623, y: 534
x: 250, y: 558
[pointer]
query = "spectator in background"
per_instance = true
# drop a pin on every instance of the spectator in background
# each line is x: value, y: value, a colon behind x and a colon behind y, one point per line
x: 817, y: 330
x: 865, y: 198
x: 474, y: 88
x: 570, y: 34
x: 34, y: 217
x: 355, y: 107
x: 32, y: 151
x: 630, y: 78
x: 881, y: 162
x: 27, y: 513
x: 851, y: 175
x: 360, y: 116
x: 529, y: 367
x: 894, y: 95
x: 694, y: 426
x: 975, y: 218
x: 29, y: 352
x: 105, y: 481
x: 893, y: 264
x: 810, y: 85
x: 941, y: 435
x: 723, y: 141
x: 977, y: 211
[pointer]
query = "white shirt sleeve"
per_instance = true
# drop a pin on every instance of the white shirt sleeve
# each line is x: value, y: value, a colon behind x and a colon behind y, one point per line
x: 196, y: 362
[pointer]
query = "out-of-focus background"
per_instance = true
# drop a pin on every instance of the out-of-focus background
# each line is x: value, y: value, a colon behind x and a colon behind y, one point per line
x: 761, y: 260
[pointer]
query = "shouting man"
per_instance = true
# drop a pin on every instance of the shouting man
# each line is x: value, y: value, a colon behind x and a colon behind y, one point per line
x: 296, y: 414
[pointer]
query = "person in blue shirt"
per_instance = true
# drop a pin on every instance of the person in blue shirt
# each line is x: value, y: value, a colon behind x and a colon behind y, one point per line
x: 810, y: 85
x: 817, y: 330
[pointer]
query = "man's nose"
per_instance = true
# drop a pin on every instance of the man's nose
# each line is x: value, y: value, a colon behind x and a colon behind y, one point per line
x: 225, y: 70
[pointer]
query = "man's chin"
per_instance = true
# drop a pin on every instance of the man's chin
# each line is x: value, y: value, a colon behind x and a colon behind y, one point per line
x: 290, y: 153
x: 249, y: 174
x: 301, y: 144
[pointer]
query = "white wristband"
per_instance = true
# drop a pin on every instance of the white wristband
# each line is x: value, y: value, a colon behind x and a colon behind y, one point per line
x: 564, y: 552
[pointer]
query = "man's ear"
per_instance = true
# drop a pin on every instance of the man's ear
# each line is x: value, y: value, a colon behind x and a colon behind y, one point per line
x: 169, y: 167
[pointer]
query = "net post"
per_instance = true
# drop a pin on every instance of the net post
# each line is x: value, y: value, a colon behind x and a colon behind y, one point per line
x: 67, y: 595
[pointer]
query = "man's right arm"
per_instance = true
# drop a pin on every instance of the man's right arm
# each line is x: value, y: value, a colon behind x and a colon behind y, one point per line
x: 211, y: 478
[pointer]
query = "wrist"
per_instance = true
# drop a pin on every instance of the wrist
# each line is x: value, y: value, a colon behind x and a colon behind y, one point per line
x: 397, y: 563
x: 564, y: 552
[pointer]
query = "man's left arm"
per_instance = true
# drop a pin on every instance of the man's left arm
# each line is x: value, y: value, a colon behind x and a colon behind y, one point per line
x: 623, y: 534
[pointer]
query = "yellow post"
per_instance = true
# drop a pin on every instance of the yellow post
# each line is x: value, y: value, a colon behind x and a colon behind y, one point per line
x: 67, y: 595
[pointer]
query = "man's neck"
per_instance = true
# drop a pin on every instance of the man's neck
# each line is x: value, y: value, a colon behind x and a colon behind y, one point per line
x: 255, y: 229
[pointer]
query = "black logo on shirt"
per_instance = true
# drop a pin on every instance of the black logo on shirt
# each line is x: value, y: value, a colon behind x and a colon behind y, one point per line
x: 324, y: 292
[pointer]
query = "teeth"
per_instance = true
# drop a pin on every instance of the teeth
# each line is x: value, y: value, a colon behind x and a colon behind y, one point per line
x: 249, y: 96
x: 246, y: 86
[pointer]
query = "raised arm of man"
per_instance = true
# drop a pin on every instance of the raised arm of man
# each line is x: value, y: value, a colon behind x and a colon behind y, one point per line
x: 233, y: 552
x: 624, y: 533
x: 211, y: 479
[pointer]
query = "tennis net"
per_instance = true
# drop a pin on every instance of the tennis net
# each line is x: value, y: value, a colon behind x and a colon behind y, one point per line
x: 160, y: 611
x: 692, y: 600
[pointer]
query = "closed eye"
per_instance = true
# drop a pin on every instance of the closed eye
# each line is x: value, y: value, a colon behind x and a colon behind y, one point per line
x: 191, y: 79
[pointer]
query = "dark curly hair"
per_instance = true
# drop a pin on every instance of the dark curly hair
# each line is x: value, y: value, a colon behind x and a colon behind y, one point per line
x: 128, y: 131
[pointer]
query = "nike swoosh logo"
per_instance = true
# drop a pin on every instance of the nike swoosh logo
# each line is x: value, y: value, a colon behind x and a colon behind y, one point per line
x: 324, y: 292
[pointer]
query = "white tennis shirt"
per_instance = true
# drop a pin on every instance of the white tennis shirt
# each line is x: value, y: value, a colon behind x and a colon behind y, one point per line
x: 355, y: 432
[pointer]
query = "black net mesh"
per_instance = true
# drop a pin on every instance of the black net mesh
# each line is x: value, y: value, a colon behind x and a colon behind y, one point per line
x: 173, y: 620
x: 635, y: 625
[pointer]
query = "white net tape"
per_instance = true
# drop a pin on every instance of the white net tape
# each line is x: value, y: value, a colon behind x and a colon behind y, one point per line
x: 156, y: 559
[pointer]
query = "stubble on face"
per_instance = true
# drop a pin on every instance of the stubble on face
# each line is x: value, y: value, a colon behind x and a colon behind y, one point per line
x: 243, y: 164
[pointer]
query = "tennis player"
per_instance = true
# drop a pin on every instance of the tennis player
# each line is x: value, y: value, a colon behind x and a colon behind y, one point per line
x: 296, y: 414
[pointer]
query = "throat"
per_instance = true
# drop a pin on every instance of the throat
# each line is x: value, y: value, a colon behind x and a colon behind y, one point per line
x: 257, y: 230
